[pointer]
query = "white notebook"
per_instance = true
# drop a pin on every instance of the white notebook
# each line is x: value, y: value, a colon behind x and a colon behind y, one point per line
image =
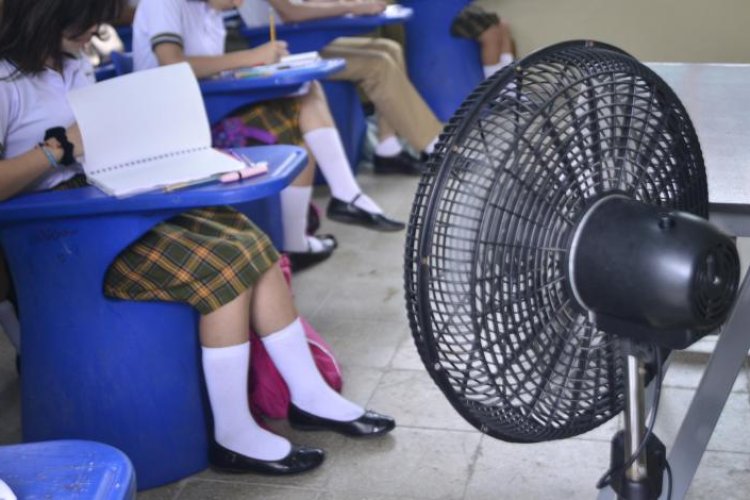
x: 145, y: 131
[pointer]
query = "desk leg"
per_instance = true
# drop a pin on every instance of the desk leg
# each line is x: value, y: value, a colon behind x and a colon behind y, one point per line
x: 711, y: 396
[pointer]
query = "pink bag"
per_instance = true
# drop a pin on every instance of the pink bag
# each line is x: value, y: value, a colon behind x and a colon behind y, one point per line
x: 269, y: 395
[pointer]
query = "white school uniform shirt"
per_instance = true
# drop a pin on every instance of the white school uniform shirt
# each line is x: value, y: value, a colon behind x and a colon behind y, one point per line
x: 255, y: 13
x: 194, y: 25
x: 29, y: 105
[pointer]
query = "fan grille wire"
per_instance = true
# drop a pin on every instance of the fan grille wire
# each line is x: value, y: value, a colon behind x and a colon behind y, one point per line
x: 486, y: 264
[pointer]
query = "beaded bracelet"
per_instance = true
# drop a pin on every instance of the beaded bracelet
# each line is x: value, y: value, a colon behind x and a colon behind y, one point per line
x: 50, y: 157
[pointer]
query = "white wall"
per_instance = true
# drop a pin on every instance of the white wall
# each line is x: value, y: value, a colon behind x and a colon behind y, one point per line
x: 652, y: 30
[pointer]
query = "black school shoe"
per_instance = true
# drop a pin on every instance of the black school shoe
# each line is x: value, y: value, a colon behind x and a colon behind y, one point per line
x: 300, y: 459
x: 349, y: 213
x: 371, y: 424
x: 302, y: 260
x: 402, y: 163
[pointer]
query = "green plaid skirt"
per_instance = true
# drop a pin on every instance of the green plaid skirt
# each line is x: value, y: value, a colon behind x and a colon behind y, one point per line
x: 472, y: 21
x: 205, y: 257
x: 280, y: 117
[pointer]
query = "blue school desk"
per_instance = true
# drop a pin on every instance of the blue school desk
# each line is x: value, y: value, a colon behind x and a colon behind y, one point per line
x: 444, y: 69
x: 124, y: 373
x: 67, y: 470
x: 225, y: 94
x: 314, y: 35
x: 343, y: 97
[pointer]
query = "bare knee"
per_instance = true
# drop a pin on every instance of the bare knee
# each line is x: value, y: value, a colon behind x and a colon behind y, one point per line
x: 492, y: 36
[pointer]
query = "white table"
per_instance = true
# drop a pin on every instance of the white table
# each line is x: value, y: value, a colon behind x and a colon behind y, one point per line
x: 717, y: 97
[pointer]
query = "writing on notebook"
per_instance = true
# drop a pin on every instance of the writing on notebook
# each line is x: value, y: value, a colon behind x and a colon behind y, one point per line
x: 291, y: 61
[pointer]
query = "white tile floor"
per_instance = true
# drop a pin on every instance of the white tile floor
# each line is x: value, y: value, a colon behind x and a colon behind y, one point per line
x: 433, y: 454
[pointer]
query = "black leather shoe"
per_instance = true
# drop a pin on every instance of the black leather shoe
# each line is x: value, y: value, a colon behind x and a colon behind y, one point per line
x: 370, y: 424
x: 349, y: 213
x: 402, y: 163
x: 302, y: 260
x: 300, y: 459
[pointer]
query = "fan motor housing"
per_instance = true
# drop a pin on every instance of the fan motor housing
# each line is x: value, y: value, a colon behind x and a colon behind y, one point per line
x: 652, y: 274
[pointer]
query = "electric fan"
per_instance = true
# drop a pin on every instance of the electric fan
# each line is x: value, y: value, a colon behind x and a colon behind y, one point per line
x: 558, y: 248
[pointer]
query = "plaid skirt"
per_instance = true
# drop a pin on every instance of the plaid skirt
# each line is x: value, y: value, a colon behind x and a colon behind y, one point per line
x: 472, y: 21
x: 205, y: 257
x: 268, y: 122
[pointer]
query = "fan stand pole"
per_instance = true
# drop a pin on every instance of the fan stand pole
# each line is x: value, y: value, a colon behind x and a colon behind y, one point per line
x: 642, y: 479
x: 635, y: 416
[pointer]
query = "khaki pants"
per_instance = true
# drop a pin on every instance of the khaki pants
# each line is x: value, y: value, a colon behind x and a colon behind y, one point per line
x: 377, y: 66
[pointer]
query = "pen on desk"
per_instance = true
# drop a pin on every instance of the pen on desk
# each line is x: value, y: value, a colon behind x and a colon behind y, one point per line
x: 183, y: 185
x: 285, y: 164
x: 272, y: 26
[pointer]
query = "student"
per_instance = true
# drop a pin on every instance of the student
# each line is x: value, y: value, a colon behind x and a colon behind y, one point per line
x: 492, y: 34
x: 232, y: 277
x: 377, y: 66
x: 171, y: 31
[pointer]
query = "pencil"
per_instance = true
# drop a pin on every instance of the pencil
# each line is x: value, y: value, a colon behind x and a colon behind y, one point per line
x: 272, y: 26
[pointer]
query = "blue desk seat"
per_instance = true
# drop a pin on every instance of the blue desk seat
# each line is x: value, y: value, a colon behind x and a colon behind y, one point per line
x: 124, y: 373
x: 225, y: 94
x: 67, y: 470
x: 314, y: 35
x: 445, y: 69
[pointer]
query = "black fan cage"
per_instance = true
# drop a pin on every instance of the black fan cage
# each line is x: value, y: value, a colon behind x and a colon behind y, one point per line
x: 486, y: 265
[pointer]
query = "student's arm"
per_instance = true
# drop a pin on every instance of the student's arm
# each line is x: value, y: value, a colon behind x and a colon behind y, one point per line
x: 18, y: 173
x: 203, y: 66
x: 307, y: 11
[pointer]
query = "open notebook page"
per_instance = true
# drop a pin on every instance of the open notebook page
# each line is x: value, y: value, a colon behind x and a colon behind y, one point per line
x: 131, y: 123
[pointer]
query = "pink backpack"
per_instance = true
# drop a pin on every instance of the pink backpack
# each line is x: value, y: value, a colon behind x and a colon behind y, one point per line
x: 269, y: 395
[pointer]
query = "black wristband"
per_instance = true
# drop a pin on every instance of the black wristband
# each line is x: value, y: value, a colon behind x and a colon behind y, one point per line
x: 59, y: 133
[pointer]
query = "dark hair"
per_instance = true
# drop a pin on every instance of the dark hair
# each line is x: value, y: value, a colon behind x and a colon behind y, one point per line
x: 31, y: 31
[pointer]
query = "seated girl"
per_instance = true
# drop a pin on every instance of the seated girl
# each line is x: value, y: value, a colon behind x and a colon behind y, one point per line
x: 232, y: 279
x: 492, y: 34
x: 171, y: 31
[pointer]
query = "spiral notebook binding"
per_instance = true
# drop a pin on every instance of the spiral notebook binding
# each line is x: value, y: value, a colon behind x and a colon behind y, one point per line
x: 149, y: 159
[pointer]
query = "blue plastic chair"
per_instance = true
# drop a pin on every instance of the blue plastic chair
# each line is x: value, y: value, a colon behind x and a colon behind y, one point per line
x: 445, y: 69
x: 123, y: 373
x: 105, y: 71
x: 67, y: 470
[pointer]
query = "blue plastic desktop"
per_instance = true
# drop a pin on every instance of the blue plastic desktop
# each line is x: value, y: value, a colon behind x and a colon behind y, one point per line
x: 224, y: 95
x: 444, y: 69
x: 314, y: 35
x: 124, y: 373
x: 67, y: 470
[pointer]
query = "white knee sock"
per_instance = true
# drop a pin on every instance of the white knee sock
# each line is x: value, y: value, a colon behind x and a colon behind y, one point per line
x: 295, y: 202
x: 388, y: 147
x: 291, y: 354
x: 225, y: 370
x: 505, y: 59
x: 325, y: 145
x: 431, y: 146
x: 10, y: 324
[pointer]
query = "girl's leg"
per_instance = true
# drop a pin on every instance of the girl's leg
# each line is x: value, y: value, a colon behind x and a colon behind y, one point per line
x: 277, y: 322
x: 496, y: 48
x: 226, y: 361
x: 325, y: 144
x: 303, y: 249
x: 8, y: 318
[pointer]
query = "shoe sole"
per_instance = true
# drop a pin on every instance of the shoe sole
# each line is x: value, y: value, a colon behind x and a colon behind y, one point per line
x: 320, y: 428
x: 356, y: 222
